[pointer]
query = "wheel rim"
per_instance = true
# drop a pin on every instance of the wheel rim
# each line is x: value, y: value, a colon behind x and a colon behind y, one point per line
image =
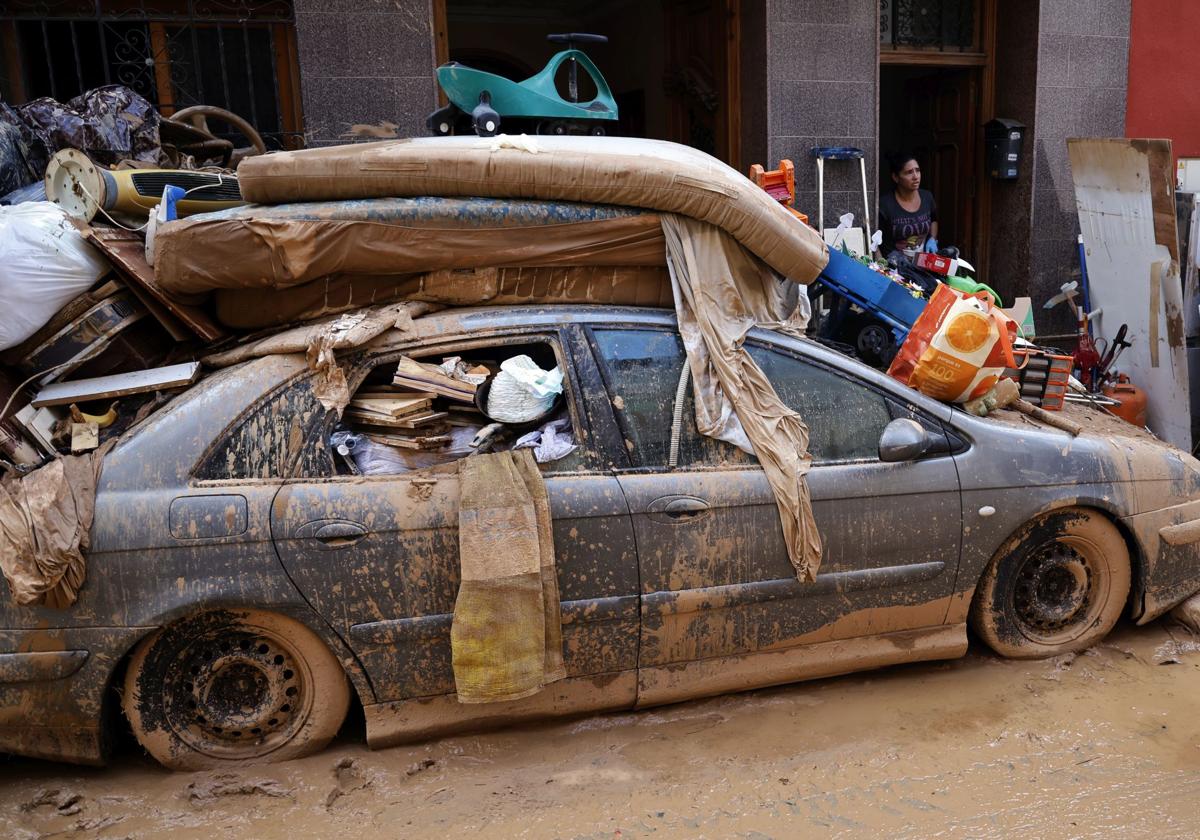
x: 237, y: 692
x: 1056, y: 595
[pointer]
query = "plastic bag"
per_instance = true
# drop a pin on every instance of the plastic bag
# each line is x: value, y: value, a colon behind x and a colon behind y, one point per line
x: 522, y: 391
x: 33, y: 192
x: 551, y: 442
x: 45, y: 263
x: 958, y: 348
x: 371, y: 458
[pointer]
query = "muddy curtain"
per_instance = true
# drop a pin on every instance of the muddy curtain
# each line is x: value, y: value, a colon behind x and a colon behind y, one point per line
x: 721, y: 293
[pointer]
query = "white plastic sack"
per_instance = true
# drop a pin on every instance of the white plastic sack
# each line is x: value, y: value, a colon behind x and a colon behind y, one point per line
x: 522, y: 391
x: 45, y: 263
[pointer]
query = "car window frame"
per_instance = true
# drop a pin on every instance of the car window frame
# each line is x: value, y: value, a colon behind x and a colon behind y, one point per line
x: 891, y: 401
x: 590, y: 461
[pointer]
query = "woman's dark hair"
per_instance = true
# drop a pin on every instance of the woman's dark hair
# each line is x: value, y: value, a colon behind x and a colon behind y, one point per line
x: 898, y: 160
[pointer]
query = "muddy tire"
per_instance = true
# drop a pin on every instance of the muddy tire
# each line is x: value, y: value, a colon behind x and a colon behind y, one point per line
x: 234, y: 687
x: 1058, y: 585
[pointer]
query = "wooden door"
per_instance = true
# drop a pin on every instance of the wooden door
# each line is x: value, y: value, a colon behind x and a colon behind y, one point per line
x: 701, y: 76
x: 941, y: 122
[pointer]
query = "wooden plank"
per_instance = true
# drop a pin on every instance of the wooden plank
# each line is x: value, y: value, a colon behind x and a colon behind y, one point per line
x: 126, y: 251
x: 420, y: 421
x: 399, y: 423
x: 401, y: 442
x: 1155, y: 306
x: 410, y: 369
x: 390, y: 395
x: 118, y: 385
x: 391, y: 407
x: 441, y: 43
x: 1161, y: 159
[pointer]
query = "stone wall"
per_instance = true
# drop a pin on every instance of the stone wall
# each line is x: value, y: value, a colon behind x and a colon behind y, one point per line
x: 822, y: 83
x: 365, y: 63
x: 1082, y: 75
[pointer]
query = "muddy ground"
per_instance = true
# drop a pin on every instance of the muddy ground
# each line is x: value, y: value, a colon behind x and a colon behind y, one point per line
x: 1100, y: 745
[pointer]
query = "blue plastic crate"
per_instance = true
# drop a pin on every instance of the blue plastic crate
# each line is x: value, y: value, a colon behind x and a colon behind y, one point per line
x: 890, y: 302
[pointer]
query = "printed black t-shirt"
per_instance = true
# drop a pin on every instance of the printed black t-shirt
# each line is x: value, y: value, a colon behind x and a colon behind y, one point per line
x: 903, y: 229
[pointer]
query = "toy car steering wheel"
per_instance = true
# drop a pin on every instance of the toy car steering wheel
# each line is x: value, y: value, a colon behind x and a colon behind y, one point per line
x: 197, y: 117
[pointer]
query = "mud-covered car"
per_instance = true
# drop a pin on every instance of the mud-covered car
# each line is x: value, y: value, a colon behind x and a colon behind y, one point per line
x: 240, y: 588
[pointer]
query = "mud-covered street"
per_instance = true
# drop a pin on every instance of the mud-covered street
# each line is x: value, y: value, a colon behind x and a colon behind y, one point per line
x: 1099, y: 745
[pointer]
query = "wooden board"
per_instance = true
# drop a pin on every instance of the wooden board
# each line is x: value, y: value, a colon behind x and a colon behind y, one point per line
x: 429, y: 442
x: 118, y: 385
x: 420, y: 376
x: 127, y: 252
x: 373, y: 419
x: 394, y: 407
x: 1125, y: 235
x: 391, y: 395
x: 421, y: 421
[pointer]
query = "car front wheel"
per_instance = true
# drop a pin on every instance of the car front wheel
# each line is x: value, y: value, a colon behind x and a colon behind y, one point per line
x: 234, y: 687
x: 1058, y: 585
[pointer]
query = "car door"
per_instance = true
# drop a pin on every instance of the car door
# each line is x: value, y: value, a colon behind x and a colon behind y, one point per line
x: 378, y: 555
x: 715, y: 576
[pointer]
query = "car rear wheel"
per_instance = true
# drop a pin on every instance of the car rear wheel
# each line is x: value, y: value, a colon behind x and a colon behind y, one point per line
x: 1058, y: 585
x: 234, y: 687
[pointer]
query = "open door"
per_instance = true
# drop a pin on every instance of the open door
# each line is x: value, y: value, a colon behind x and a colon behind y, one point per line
x: 940, y: 126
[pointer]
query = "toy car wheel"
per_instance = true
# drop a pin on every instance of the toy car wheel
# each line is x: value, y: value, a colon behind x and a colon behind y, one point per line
x: 234, y: 687
x: 558, y: 129
x: 597, y: 131
x: 1058, y: 585
x: 442, y: 121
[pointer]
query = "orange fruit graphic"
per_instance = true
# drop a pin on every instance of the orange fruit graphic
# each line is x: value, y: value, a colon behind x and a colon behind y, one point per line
x: 967, y: 332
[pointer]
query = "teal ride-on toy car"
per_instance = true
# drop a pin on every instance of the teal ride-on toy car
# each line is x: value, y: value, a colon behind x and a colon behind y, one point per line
x: 480, y: 101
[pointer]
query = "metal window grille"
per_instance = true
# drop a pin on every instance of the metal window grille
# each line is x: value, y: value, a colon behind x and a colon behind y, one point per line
x: 234, y: 54
x: 925, y: 24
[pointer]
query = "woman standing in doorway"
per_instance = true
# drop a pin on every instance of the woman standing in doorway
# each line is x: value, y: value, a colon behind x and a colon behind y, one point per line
x: 907, y: 214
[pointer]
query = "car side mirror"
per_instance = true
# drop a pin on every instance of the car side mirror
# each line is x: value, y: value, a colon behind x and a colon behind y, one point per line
x: 903, y: 440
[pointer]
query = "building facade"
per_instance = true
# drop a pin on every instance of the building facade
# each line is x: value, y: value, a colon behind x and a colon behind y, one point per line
x: 752, y: 81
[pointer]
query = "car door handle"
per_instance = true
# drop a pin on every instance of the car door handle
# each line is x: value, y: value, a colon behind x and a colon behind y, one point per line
x: 340, y: 534
x: 685, y: 508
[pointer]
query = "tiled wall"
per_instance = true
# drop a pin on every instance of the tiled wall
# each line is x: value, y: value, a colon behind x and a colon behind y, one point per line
x: 822, y: 81
x: 1082, y: 75
x: 367, y: 63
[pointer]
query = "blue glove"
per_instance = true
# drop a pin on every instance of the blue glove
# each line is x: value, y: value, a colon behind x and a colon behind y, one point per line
x: 931, y: 245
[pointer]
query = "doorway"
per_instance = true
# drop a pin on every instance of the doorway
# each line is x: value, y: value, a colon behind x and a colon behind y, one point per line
x: 933, y: 114
x: 671, y: 64
x: 937, y: 87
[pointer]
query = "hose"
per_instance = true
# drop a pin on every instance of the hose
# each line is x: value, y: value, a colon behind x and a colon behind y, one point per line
x: 677, y: 415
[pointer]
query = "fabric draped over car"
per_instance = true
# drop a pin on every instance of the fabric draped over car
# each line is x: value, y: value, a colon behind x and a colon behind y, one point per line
x: 45, y: 517
x: 721, y: 293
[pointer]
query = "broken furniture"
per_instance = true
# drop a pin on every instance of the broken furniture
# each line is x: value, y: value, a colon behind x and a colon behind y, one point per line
x: 118, y: 385
x: 780, y: 184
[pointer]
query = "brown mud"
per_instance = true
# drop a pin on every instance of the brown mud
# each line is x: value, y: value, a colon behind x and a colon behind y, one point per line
x: 1102, y: 744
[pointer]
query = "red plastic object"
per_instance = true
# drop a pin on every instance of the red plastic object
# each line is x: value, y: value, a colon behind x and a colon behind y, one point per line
x: 1132, y: 399
x: 780, y: 184
x: 934, y: 263
x: 1042, y: 377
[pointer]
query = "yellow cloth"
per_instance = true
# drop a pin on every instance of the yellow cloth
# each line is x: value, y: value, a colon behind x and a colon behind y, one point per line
x: 506, y: 636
